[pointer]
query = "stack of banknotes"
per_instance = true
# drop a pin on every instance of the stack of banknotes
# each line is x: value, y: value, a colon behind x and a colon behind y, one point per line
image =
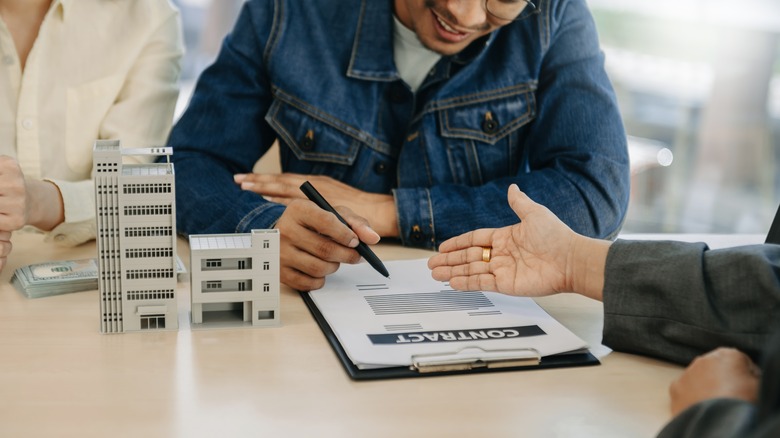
x: 65, y: 276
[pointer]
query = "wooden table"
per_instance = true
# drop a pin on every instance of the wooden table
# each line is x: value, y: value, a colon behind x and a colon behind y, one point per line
x: 60, y: 377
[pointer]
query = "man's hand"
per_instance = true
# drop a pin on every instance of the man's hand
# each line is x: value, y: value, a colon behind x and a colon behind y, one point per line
x: 5, y: 247
x: 284, y: 188
x: 724, y: 372
x: 538, y: 256
x: 26, y: 201
x: 13, y: 195
x: 314, y: 242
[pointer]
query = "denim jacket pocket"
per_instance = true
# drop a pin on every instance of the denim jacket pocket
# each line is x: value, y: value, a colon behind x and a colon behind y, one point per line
x: 477, y: 131
x: 317, y: 142
x: 488, y: 117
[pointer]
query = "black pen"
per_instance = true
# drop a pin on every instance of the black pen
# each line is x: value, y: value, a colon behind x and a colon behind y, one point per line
x: 362, y: 248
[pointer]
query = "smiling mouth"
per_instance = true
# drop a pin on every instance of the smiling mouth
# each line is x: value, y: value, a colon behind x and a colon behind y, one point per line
x: 449, y: 29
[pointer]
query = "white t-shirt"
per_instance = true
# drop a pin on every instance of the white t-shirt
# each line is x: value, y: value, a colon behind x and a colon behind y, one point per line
x: 412, y: 59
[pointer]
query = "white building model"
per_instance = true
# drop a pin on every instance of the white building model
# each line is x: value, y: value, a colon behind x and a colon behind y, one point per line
x: 234, y: 279
x: 135, y: 213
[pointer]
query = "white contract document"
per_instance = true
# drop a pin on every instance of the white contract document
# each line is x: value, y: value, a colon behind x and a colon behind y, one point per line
x: 410, y: 317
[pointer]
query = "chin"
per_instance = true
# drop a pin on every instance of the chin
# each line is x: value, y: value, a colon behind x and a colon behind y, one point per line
x: 444, y: 49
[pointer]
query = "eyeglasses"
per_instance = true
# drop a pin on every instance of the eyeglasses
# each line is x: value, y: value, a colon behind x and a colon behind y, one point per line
x: 510, y: 10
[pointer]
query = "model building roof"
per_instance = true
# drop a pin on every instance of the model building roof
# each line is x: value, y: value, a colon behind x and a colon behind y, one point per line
x: 220, y: 241
x: 156, y: 169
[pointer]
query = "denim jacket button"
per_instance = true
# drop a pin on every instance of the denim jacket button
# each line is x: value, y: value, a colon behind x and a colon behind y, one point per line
x: 490, y: 126
x: 307, y: 142
x: 380, y: 168
x: 416, y: 233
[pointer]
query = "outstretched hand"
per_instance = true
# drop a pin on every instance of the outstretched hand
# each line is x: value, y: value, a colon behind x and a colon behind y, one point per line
x: 531, y: 258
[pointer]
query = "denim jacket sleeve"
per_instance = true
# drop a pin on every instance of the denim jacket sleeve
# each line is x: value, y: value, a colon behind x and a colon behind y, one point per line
x: 211, y: 141
x: 575, y: 159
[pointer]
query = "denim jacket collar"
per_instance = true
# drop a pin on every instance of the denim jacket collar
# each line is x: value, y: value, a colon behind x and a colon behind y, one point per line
x: 372, y: 51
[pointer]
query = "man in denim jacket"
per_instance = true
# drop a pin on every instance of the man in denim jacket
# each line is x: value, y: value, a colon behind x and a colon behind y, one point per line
x: 411, y: 116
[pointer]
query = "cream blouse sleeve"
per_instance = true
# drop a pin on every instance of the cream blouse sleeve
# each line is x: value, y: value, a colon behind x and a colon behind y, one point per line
x: 141, y: 116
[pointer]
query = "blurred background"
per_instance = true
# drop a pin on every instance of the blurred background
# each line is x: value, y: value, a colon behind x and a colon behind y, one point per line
x: 698, y: 84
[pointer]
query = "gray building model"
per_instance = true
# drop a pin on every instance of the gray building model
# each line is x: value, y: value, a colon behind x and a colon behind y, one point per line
x: 234, y: 279
x: 135, y: 213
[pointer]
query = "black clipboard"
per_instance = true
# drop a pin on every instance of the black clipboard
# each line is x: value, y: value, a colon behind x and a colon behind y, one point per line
x: 556, y: 361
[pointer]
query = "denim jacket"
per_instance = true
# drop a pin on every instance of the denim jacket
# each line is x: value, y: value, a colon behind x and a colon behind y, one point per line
x: 529, y: 104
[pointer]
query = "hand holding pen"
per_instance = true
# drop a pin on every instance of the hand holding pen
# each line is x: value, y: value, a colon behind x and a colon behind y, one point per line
x: 361, y: 248
x: 314, y: 242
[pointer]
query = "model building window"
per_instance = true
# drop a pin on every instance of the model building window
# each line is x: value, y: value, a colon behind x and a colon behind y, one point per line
x: 148, y: 210
x: 135, y: 274
x: 213, y: 285
x: 149, y: 252
x: 132, y: 189
x: 148, y: 231
x: 266, y: 266
x: 152, y: 322
x: 157, y: 294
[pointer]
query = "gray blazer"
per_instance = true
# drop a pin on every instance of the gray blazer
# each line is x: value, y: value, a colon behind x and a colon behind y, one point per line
x: 676, y: 300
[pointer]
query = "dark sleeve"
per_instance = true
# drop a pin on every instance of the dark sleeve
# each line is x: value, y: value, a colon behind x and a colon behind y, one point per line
x: 677, y: 300
x: 729, y: 418
x: 768, y: 418
x: 718, y: 417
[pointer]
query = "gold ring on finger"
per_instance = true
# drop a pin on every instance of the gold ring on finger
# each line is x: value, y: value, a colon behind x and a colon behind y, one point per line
x: 486, y: 254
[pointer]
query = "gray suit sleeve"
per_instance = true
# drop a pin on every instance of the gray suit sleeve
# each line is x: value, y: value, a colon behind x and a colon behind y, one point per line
x: 676, y: 300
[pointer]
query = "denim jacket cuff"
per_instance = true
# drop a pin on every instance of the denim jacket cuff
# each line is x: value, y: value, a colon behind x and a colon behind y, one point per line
x: 264, y: 216
x: 415, y: 217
